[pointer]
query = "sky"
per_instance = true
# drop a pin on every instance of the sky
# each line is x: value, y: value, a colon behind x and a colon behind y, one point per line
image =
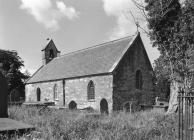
x: 25, y: 26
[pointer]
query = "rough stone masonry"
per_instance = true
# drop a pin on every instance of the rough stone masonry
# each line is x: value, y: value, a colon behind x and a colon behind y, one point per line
x: 119, y: 70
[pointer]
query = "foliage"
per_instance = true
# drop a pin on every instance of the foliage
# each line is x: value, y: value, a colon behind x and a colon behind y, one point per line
x: 172, y: 31
x: 11, y: 65
x: 75, y: 125
x: 162, y: 72
x: 162, y: 17
x: 184, y: 43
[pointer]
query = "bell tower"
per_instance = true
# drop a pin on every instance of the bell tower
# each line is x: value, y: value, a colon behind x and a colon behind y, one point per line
x: 49, y: 52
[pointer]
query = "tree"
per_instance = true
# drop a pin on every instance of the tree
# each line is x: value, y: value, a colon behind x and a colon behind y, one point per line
x: 162, y: 72
x: 11, y: 65
x: 172, y: 32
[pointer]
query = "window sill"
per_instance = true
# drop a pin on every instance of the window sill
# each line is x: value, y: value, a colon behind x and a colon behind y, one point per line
x: 91, y: 100
x: 56, y: 100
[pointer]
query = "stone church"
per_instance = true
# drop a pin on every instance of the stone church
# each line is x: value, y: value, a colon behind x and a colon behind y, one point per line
x: 105, y: 77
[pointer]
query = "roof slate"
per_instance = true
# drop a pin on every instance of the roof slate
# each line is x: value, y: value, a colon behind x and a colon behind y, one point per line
x: 99, y: 59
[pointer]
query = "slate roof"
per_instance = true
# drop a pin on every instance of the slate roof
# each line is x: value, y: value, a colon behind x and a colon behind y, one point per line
x: 98, y: 59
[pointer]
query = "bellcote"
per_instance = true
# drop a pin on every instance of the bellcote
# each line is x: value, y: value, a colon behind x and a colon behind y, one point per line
x: 49, y: 52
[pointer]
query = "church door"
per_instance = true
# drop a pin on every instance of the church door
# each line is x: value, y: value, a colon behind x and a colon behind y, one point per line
x: 104, y: 106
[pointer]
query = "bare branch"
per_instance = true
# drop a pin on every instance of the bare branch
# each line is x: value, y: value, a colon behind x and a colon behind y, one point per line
x: 141, y: 8
x: 136, y: 22
x: 146, y: 32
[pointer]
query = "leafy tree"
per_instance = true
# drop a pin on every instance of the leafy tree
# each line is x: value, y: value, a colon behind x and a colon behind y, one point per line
x: 162, y: 16
x: 11, y: 64
x: 162, y: 72
x: 184, y: 42
x: 172, y: 32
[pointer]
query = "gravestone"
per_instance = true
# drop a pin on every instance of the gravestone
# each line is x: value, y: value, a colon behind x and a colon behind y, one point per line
x: 3, y: 96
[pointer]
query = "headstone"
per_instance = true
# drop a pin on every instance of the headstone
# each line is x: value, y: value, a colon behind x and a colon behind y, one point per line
x: 3, y: 97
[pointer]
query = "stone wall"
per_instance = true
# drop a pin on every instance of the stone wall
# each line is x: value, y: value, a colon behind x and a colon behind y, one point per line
x: 116, y: 91
x: 47, y: 92
x: 76, y: 90
x: 124, y: 82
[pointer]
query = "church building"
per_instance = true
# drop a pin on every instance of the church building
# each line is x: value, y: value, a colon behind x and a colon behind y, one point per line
x: 105, y: 77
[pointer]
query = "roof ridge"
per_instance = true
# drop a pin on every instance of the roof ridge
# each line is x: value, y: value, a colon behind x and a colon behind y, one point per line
x: 95, y: 46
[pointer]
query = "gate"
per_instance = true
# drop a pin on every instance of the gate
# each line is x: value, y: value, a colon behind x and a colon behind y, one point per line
x: 186, y: 116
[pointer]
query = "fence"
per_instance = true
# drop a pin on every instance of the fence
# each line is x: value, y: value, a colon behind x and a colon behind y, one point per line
x: 186, y: 116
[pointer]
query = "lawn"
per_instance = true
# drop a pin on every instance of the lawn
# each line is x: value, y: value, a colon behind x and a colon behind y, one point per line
x: 76, y: 125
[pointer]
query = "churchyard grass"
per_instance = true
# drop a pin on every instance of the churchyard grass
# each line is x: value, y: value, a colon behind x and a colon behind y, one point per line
x: 77, y: 125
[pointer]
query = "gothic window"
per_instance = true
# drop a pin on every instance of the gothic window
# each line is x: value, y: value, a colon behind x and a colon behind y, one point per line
x: 55, y: 92
x: 51, y: 54
x: 91, y: 90
x: 38, y: 94
x: 138, y: 80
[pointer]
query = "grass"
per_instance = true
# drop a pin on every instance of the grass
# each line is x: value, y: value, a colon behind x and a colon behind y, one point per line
x: 75, y: 125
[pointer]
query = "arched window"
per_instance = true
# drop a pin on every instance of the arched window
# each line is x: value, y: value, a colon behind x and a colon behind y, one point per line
x: 51, y: 54
x: 38, y: 94
x: 91, y: 90
x: 55, y: 92
x: 139, y: 82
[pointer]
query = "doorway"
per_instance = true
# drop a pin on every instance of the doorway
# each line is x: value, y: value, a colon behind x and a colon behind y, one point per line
x: 72, y: 105
x: 104, y: 106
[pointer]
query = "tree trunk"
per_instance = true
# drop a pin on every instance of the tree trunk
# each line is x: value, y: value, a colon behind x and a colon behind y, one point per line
x: 173, y: 102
